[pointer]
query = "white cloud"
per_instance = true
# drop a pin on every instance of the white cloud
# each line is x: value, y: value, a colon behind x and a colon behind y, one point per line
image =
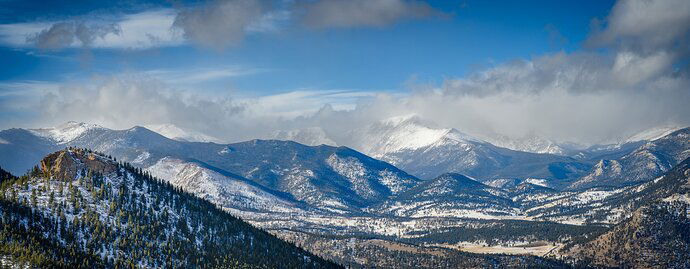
x: 357, y: 13
x: 583, y: 96
x: 135, y: 31
x: 646, y: 25
x: 270, y: 21
x: 122, y: 101
x: 144, y: 30
x: 293, y: 104
x: 200, y: 75
x: 219, y: 23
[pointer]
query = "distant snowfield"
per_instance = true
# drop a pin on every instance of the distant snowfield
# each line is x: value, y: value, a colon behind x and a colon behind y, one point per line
x: 66, y: 132
x: 653, y: 134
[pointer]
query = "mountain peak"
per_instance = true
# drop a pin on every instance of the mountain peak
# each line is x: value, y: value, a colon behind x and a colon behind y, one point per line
x: 406, y: 133
x: 66, y: 132
x: 66, y: 164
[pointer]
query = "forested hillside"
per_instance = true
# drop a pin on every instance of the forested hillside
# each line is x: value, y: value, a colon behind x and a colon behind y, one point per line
x: 83, y: 209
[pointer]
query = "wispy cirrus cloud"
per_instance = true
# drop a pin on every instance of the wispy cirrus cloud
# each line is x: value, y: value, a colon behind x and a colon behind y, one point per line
x: 200, y: 75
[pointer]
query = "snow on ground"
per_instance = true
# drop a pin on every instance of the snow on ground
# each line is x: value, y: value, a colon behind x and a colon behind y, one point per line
x: 653, y: 133
x: 66, y: 132
x: 683, y: 198
x: 142, y: 157
x: 220, y: 189
x: 537, y: 181
x: 355, y: 172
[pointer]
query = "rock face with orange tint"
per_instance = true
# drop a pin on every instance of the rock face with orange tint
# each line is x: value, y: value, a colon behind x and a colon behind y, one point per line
x: 66, y: 164
x: 60, y: 165
x: 96, y: 163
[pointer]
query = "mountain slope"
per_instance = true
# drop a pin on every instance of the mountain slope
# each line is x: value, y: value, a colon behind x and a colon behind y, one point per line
x: 22, y: 149
x: 613, y: 205
x: 656, y: 236
x: 426, y: 151
x: 654, y: 232
x: 322, y: 176
x: 450, y: 195
x: 114, y: 215
x: 530, y: 143
x: 643, y: 164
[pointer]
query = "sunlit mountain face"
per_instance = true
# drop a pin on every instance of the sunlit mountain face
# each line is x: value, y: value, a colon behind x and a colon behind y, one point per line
x: 333, y: 133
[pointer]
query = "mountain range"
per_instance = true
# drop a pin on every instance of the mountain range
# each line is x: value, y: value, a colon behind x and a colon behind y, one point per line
x: 471, y: 195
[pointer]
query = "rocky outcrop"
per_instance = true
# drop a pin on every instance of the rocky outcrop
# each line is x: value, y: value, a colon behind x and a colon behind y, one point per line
x: 67, y: 164
x: 60, y: 165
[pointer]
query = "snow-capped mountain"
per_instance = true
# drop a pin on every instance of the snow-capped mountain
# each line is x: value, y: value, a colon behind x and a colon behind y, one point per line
x: 312, y: 136
x: 530, y: 143
x: 66, y: 132
x: 405, y: 133
x: 419, y: 148
x: 279, y: 185
x: 174, y: 132
x: 644, y: 163
x: 652, y: 134
x: 323, y: 176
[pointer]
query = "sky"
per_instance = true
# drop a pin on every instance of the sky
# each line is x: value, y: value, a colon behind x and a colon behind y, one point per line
x: 571, y: 71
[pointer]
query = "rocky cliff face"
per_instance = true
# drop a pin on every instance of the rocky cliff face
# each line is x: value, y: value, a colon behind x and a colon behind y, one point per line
x: 60, y: 165
x: 67, y: 164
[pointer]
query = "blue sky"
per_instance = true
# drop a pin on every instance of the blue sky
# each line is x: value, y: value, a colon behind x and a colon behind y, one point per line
x: 472, y: 35
x: 278, y: 63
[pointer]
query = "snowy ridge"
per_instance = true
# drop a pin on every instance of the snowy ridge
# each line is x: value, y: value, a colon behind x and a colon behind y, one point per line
x: 652, y: 134
x: 406, y: 133
x: 66, y: 132
x: 530, y: 143
x: 215, y: 187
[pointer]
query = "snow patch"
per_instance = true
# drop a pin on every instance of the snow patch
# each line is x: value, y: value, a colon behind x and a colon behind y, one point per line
x: 66, y: 132
x: 652, y: 134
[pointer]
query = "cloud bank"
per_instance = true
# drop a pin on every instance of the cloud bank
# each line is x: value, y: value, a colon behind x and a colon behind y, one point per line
x: 218, y: 24
x: 632, y: 78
